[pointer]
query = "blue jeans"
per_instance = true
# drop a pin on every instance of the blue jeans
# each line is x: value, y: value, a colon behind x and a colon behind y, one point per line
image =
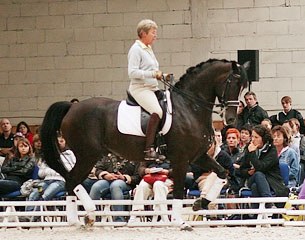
x: 8, y: 186
x: 49, y: 190
x: 259, y: 186
x: 87, y: 183
x: 115, y: 188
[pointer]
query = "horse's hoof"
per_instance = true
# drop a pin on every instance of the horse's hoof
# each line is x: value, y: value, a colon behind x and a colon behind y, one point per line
x: 89, y: 222
x: 186, y: 227
x: 200, y: 204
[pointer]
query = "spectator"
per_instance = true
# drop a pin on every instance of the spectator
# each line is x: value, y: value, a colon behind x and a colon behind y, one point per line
x: 245, y: 137
x: 19, y: 169
x: 204, y: 178
x: 12, y: 151
x: 91, y: 179
x: 158, y: 189
x: 260, y: 166
x: 24, y: 128
x: 286, y: 154
x: 6, y: 138
x: 37, y: 148
x: 252, y: 114
x: 116, y: 176
x: 267, y: 123
x: 236, y: 153
x: 231, y: 145
x: 52, y: 183
x: 218, y: 137
x: 294, y: 136
x: 288, y: 113
x: 241, y: 107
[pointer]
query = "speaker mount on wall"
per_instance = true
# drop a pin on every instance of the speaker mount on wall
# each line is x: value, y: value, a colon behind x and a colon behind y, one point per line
x: 252, y: 56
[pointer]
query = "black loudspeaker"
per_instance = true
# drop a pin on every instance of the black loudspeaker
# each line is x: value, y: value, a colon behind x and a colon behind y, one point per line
x: 253, y: 57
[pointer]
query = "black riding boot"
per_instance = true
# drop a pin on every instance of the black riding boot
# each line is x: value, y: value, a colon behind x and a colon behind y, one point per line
x: 152, y: 127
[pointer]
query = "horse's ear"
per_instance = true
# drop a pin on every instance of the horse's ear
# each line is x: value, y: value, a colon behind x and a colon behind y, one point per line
x: 246, y: 65
x: 235, y: 67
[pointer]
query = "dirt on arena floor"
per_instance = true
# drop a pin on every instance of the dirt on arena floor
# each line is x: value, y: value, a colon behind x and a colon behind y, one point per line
x: 122, y: 233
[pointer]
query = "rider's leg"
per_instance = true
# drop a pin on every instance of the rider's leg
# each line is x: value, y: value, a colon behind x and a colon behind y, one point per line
x: 152, y: 127
x: 148, y: 100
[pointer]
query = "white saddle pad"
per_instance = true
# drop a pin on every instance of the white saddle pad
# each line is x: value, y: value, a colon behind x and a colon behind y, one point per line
x: 129, y: 118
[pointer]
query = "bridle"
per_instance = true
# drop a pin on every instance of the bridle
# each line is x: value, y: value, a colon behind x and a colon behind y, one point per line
x: 223, y: 104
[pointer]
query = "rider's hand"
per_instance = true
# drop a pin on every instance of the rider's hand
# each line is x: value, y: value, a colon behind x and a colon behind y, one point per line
x: 168, y: 76
x: 158, y: 75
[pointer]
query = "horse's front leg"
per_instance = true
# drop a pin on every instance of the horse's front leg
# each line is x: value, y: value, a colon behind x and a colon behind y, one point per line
x: 210, y: 186
x: 179, y: 173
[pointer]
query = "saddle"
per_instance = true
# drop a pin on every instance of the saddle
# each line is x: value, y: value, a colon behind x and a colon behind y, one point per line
x: 144, y: 114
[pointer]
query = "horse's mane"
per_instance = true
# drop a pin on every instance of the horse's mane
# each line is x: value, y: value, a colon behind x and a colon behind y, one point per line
x: 191, y: 71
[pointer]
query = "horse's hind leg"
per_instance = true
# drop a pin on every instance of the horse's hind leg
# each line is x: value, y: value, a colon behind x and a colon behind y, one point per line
x: 210, y: 187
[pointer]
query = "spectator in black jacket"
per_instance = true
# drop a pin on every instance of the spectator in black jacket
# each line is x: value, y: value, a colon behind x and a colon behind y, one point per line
x: 19, y: 169
x: 253, y: 114
x: 288, y: 113
x: 260, y: 165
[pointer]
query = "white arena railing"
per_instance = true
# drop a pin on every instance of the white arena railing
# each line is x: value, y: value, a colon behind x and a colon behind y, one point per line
x: 53, y: 213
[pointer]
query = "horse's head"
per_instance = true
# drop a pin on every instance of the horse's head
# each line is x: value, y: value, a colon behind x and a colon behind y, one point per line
x: 229, y: 91
x: 223, y: 79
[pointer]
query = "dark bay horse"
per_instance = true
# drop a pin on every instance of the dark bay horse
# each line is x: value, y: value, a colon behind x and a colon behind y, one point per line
x: 90, y: 127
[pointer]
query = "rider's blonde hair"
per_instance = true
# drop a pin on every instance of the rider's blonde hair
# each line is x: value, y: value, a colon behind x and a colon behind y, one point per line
x: 145, y: 25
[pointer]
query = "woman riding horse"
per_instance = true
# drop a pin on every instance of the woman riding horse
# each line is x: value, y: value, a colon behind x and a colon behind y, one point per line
x: 189, y: 137
x: 143, y: 71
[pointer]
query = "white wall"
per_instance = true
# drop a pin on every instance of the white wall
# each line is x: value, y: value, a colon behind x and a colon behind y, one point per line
x: 53, y: 50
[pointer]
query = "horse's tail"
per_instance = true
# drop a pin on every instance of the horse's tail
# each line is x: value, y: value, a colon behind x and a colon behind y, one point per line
x: 49, y: 130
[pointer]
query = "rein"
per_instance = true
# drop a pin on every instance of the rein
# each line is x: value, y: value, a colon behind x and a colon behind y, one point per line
x: 167, y: 81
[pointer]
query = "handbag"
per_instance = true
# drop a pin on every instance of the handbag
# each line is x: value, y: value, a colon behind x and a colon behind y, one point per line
x: 151, y: 178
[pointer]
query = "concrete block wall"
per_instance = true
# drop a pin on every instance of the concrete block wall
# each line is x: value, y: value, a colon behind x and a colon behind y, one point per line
x: 53, y: 50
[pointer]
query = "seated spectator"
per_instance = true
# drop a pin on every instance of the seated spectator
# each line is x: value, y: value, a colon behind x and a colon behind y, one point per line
x: 24, y: 128
x: 252, y: 114
x: 90, y: 180
x: 116, y: 176
x: 267, y: 123
x: 52, y: 182
x: 6, y: 139
x: 158, y: 190
x: 286, y: 154
x: 231, y: 146
x: 19, y: 169
x: 12, y: 151
x: 260, y: 166
x: 218, y: 137
x: 204, y: 178
x: 37, y: 148
x: 245, y: 137
x: 294, y: 135
x: 288, y: 113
